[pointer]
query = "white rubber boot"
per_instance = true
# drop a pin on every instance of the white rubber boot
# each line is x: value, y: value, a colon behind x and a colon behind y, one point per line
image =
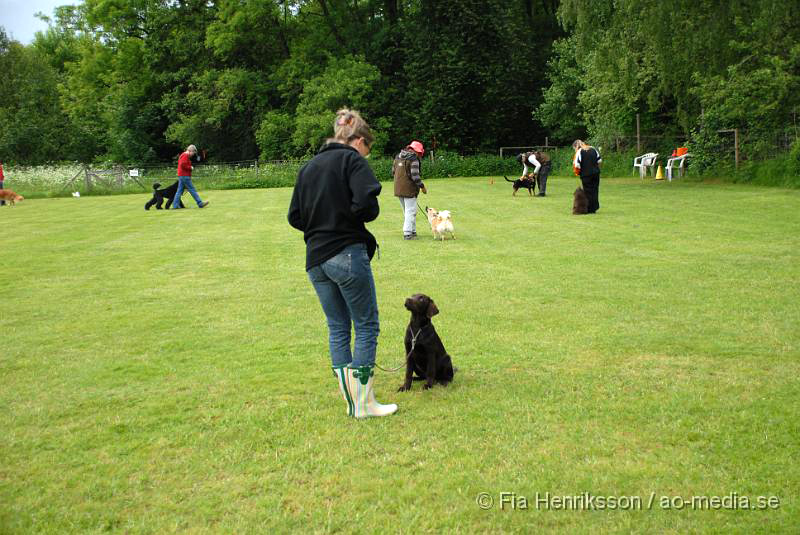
x: 359, y: 385
x: 341, y: 378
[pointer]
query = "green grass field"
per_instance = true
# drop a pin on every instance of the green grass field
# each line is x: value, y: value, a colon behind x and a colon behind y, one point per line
x: 167, y: 372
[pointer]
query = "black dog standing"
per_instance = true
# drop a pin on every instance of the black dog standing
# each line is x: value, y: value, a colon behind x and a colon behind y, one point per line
x: 527, y: 183
x: 161, y: 195
x: 426, y: 354
x: 168, y: 193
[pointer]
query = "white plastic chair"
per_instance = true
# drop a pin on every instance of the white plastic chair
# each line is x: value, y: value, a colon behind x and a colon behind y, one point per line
x: 645, y: 162
x: 680, y: 163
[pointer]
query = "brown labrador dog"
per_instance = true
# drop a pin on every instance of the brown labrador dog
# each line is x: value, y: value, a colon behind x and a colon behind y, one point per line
x: 580, y: 203
x: 426, y: 354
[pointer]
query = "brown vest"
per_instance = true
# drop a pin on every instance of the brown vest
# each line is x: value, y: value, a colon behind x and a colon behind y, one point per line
x: 543, y: 157
x: 403, y: 185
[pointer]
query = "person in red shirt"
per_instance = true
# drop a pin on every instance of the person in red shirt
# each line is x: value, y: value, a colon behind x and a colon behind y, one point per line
x: 185, y: 178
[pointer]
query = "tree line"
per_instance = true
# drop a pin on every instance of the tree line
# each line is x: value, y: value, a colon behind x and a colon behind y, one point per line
x: 137, y: 80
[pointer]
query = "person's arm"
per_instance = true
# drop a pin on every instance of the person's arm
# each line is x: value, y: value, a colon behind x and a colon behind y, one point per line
x: 365, y: 188
x: 295, y: 217
x: 536, y: 164
x: 524, y: 168
x: 599, y: 158
x: 415, y: 175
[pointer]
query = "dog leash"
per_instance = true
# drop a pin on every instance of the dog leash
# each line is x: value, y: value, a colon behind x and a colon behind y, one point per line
x: 413, y: 343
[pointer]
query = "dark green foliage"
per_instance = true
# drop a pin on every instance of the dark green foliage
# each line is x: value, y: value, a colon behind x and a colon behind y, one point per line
x: 684, y: 67
x: 32, y: 123
x: 138, y: 81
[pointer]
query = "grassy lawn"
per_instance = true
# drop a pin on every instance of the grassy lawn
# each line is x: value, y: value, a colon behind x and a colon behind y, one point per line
x: 167, y: 372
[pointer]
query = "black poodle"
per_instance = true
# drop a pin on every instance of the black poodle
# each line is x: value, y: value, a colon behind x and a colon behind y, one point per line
x: 160, y: 195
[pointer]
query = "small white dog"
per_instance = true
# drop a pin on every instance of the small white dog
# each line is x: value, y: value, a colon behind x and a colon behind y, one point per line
x: 440, y: 222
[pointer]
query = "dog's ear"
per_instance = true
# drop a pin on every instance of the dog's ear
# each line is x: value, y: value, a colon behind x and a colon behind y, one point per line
x: 432, y: 310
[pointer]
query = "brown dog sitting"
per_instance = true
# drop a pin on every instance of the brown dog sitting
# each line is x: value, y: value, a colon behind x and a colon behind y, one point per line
x: 425, y: 352
x: 580, y: 203
x: 10, y: 197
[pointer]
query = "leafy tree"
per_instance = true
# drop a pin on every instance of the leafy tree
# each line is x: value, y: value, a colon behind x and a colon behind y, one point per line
x: 274, y: 135
x: 559, y: 110
x: 249, y: 33
x: 681, y: 64
x: 84, y: 98
x: 346, y: 82
x: 32, y: 124
x: 475, y: 80
x: 222, y: 105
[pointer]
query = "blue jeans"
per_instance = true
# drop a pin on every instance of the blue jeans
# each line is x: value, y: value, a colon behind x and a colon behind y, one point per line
x: 185, y: 182
x: 346, y: 290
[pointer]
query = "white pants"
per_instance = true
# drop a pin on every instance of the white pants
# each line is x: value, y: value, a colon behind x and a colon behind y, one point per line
x: 409, y: 205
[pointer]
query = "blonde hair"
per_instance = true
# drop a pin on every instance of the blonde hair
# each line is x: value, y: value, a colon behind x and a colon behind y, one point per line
x: 580, y: 144
x: 349, y: 125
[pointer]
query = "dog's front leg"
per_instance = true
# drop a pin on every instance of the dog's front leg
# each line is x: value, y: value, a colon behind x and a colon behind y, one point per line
x: 409, y: 372
x: 430, y: 372
x: 409, y: 367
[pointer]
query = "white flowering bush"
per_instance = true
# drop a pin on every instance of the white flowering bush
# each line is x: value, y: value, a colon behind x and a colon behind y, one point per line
x: 40, y: 180
x: 111, y: 179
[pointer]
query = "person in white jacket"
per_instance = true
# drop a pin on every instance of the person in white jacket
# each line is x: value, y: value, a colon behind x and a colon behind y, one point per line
x: 540, y: 161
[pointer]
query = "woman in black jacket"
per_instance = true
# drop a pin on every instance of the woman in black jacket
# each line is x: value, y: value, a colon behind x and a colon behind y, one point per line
x: 587, y: 162
x: 335, y: 194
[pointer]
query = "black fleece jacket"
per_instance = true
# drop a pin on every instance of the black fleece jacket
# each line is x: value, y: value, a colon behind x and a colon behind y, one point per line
x: 335, y: 194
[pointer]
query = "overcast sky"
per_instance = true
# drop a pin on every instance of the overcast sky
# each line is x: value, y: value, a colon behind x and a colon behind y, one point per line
x: 16, y: 16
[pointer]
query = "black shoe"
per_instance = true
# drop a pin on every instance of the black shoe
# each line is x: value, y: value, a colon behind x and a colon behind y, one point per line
x: 409, y: 236
x: 203, y: 204
x: 541, y: 195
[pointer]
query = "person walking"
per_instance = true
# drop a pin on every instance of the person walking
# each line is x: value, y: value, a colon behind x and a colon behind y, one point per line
x: 541, y: 168
x: 336, y: 193
x: 407, y: 185
x: 587, y: 162
x: 185, y: 178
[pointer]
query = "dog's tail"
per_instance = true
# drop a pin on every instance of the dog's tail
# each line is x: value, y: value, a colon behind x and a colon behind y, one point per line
x: 507, y: 180
x: 156, y: 185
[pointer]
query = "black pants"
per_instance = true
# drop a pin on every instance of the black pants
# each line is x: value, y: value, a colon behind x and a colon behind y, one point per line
x: 591, y: 186
x: 542, y: 177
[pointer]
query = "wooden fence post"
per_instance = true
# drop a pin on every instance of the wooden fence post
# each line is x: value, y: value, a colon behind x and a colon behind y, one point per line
x: 638, y: 137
